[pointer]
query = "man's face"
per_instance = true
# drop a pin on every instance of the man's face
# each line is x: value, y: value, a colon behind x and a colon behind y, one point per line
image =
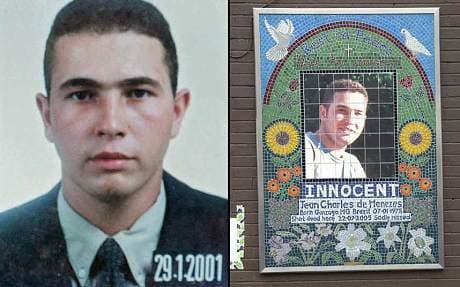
x: 111, y: 111
x: 343, y: 121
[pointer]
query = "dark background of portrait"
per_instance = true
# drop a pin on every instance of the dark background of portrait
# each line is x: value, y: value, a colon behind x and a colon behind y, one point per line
x: 375, y: 147
x: 243, y: 162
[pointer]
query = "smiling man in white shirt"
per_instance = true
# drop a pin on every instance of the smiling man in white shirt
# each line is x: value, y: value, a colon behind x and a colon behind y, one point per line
x: 342, y: 118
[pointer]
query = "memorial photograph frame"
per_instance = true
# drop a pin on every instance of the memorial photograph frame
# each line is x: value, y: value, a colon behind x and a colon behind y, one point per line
x: 349, y: 163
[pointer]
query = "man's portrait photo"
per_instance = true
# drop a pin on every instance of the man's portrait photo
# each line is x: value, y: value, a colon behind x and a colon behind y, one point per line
x: 349, y: 125
x: 111, y: 104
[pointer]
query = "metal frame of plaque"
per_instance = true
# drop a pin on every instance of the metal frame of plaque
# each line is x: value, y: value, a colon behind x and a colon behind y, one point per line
x: 348, y: 139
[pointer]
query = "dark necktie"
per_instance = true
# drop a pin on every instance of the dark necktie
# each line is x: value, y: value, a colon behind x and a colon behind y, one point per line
x: 110, y: 266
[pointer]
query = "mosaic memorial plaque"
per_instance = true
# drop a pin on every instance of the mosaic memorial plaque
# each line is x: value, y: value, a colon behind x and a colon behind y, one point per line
x: 349, y: 139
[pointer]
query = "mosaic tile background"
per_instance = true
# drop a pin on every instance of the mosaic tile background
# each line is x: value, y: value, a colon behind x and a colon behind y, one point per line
x: 397, y: 146
x: 393, y: 24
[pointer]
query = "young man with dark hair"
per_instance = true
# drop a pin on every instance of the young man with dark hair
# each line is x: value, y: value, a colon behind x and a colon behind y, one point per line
x: 111, y: 109
x: 342, y: 117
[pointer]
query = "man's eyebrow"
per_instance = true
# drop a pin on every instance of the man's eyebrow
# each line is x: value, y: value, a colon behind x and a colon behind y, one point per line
x: 80, y: 82
x: 343, y: 107
x: 137, y: 81
x: 90, y: 83
x: 348, y: 108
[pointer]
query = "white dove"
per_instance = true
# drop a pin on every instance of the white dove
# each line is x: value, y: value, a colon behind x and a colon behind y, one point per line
x: 414, y: 45
x: 282, y: 36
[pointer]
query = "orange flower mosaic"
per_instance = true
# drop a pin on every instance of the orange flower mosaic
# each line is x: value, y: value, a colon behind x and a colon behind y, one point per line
x: 273, y: 185
x: 413, y: 172
x: 293, y: 191
x: 405, y: 189
x: 284, y: 174
x: 402, y: 167
x: 297, y: 170
x: 425, y: 184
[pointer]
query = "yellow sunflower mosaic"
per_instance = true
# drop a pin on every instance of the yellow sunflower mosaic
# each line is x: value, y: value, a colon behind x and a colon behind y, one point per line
x: 415, y: 138
x: 282, y: 138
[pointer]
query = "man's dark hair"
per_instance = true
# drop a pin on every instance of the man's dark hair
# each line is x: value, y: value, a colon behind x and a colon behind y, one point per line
x: 105, y: 16
x: 338, y: 86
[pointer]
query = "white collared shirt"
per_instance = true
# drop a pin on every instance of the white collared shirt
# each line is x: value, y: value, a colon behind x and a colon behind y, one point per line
x: 83, y: 239
x: 321, y: 162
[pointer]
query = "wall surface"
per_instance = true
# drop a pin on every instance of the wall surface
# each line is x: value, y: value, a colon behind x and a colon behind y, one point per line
x: 243, y: 170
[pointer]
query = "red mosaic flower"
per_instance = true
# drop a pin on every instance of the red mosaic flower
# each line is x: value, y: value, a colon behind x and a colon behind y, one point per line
x: 297, y: 170
x: 402, y: 167
x: 413, y: 172
x: 293, y: 191
x: 406, y: 82
x: 293, y: 85
x: 273, y: 185
x: 405, y: 189
x: 284, y: 174
x: 425, y: 184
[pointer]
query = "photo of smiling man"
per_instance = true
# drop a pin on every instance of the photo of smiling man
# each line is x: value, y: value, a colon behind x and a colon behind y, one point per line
x: 342, y: 115
x: 110, y: 107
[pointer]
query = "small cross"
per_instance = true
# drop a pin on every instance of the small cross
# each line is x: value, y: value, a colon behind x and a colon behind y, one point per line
x: 348, y: 49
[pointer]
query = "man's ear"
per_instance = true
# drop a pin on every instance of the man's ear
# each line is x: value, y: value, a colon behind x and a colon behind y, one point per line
x: 322, y: 111
x: 181, y: 103
x: 43, y: 105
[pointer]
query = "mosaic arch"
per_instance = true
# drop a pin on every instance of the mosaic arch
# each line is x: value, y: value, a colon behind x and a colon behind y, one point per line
x: 348, y: 29
x: 356, y: 186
